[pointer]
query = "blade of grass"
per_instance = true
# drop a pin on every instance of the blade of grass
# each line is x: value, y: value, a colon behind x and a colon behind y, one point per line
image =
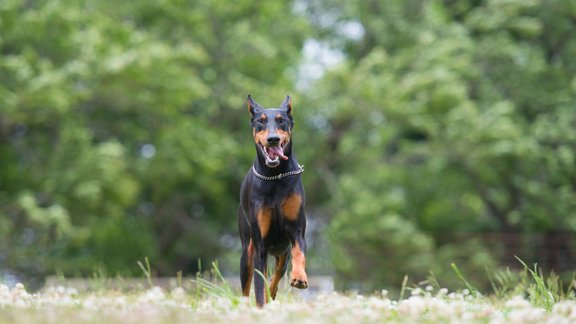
x: 540, y: 295
x: 147, y: 271
x: 179, y: 279
x: 471, y: 288
x: 217, y: 287
x: 498, y: 292
x: 403, y: 289
x: 266, y: 286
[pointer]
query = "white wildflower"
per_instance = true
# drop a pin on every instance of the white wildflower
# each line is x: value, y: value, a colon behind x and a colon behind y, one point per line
x: 517, y: 302
x: 526, y: 315
x: 442, y: 292
x: 179, y: 294
x: 384, y: 293
x: 154, y: 294
x: 416, y: 292
x: 412, y: 306
x: 566, y: 309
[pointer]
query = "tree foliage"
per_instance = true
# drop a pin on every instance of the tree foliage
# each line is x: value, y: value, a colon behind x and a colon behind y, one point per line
x: 457, y: 117
x: 121, y: 124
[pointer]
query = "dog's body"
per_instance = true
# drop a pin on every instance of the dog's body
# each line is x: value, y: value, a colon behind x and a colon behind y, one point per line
x: 271, y: 213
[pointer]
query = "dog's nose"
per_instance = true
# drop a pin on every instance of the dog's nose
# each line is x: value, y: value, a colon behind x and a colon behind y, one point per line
x: 273, y: 140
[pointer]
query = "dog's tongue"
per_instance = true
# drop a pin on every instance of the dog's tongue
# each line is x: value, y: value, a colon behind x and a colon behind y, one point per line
x: 274, y: 151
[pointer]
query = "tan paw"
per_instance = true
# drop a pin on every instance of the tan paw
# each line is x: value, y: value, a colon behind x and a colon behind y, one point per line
x: 299, y: 283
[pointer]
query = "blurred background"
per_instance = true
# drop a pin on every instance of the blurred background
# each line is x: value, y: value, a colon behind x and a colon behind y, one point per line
x: 433, y: 132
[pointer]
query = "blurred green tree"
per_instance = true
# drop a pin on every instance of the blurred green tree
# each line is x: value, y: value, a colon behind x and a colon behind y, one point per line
x: 120, y: 124
x: 454, y: 116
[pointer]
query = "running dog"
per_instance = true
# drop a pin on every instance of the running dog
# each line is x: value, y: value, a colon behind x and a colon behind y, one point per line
x: 271, y: 215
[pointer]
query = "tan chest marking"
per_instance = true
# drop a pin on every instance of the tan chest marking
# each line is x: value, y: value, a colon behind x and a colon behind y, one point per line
x: 264, y: 217
x: 291, y: 206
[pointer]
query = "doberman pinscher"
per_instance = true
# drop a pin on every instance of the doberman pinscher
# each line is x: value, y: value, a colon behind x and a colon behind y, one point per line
x: 271, y: 213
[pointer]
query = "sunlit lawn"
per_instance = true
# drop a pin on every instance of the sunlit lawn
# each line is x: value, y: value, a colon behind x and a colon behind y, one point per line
x: 155, y: 305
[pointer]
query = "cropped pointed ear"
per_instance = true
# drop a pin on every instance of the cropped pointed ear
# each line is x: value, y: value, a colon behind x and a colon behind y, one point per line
x: 287, y: 104
x: 253, y: 106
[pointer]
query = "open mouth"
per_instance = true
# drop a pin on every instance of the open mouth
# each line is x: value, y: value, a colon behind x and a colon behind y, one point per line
x: 273, y: 154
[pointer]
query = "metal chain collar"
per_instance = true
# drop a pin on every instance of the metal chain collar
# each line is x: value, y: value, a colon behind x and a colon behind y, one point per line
x: 278, y: 176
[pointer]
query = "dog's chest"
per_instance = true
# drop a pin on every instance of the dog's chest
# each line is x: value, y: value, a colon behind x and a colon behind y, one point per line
x: 286, y: 207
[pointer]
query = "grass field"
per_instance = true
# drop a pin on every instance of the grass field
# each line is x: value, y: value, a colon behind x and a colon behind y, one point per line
x: 523, y: 297
x: 219, y: 303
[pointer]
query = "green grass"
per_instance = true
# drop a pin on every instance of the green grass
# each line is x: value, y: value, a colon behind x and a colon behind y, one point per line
x: 215, y: 286
x: 147, y: 271
x: 518, y: 296
x: 543, y: 292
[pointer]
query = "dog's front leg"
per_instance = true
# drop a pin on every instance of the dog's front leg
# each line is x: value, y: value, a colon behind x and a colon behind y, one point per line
x: 262, y: 223
x: 296, y: 230
x: 260, y: 264
x: 298, y: 277
x: 247, y: 267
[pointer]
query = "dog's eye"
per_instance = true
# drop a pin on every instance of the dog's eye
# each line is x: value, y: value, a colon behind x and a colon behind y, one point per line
x: 282, y: 123
x: 259, y: 125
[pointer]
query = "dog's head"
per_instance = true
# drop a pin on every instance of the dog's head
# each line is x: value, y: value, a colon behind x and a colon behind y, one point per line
x: 272, y: 130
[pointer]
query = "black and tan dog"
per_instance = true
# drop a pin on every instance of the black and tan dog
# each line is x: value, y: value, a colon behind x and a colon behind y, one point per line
x: 271, y: 213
